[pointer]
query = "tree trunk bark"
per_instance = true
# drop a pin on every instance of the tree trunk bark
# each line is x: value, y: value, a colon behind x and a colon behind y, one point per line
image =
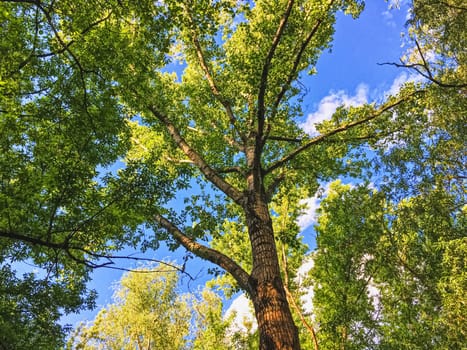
x: 276, y: 327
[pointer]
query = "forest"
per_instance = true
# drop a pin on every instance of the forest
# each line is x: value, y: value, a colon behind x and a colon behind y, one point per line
x: 142, y: 125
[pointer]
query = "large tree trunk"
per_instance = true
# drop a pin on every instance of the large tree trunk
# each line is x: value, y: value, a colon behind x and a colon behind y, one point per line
x: 276, y: 327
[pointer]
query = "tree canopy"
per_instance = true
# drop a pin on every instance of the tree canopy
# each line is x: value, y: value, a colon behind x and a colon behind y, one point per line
x: 150, y: 312
x: 91, y: 86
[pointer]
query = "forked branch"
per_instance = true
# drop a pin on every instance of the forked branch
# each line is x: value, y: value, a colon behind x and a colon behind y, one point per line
x: 209, y: 77
x: 298, y: 58
x: 198, y: 160
x: 212, y: 84
x: 424, y: 70
x: 91, y: 261
x: 324, y: 137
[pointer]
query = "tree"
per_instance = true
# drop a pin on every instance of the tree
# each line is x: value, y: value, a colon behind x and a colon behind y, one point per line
x: 33, y: 322
x: 211, y: 329
x: 348, y: 233
x: 380, y: 274
x: 149, y: 312
x: 387, y: 253
x: 87, y: 83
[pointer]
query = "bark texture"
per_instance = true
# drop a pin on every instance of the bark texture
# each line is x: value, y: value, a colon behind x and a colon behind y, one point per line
x: 276, y: 326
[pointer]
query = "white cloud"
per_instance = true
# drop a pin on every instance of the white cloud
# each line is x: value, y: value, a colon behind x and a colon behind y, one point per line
x: 309, y: 215
x: 307, y: 301
x: 328, y: 105
x: 304, y: 269
x: 307, y: 296
x: 242, y: 308
x: 402, y: 79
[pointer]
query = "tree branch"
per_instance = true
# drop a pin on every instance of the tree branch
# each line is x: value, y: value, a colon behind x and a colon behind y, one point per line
x: 274, y: 184
x: 292, y: 302
x: 297, y: 61
x: 212, y: 84
x: 65, y: 46
x: 266, y: 66
x: 207, y: 171
x: 343, y: 128
x: 32, y: 240
x: 426, y: 73
x: 68, y: 249
x: 212, y: 255
x: 283, y: 138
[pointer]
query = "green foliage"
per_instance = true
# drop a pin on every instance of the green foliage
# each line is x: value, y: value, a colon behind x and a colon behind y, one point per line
x: 349, y: 229
x: 211, y: 328
x: 87, y: 87
x: 380, y: 271
x: 439, y: 30
x: 149, y: 312
x: 385, y: 285
x: 30, y: 308
x: 423, y: 229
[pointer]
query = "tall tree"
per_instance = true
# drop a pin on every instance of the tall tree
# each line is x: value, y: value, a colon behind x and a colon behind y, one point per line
x: 87, y: 83
x: 381, y: 273
x: 349, y: 228
x: 388, y: 253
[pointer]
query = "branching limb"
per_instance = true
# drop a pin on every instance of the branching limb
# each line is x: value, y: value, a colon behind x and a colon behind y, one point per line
x: 209, y: 77
x: 212, y: 255
x: 70, y: 249
x: 204, y: 167
x: 67, y: 49
x: 424, y: 70
x: 267, y: 65
x: 212, y: 84
x: 286, y: 86
x: 67, y: 45
x: 64, y: 45
x: 274, y: 185
x: 111, y: 259
x: 283, y: 138
x: 324, y: 137
x: 32, y: 240
x: 308, y: 326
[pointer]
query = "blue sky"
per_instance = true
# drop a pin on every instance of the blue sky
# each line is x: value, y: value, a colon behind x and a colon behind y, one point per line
x: 348, y: 74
